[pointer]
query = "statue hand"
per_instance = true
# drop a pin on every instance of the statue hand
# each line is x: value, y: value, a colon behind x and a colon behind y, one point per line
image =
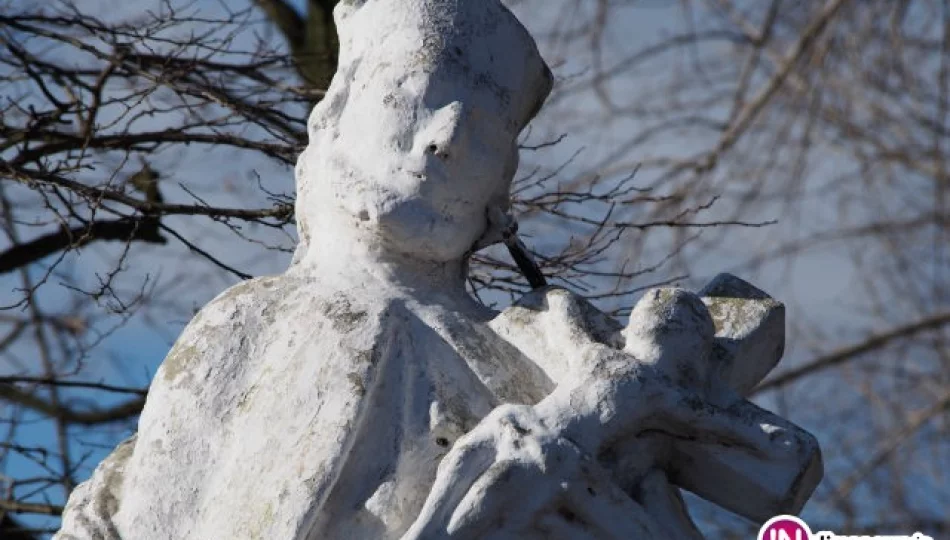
x: 514, y: 477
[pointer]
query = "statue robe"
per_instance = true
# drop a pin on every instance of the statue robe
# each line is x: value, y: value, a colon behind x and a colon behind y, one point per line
x: 294, y: 409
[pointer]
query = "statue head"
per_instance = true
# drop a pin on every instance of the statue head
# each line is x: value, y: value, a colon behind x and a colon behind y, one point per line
x: 417, y: 135
x: 672, y: 330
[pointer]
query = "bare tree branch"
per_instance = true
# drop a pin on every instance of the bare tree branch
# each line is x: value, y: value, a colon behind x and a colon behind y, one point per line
x: 122, y: 230
x: 845, y: 354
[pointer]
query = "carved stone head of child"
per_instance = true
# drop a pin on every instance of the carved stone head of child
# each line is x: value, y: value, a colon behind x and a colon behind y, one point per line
x: 417, y: 135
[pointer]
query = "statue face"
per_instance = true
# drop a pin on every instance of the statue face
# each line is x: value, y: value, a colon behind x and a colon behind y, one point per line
x: 423, y: 171
x: 417, y: 136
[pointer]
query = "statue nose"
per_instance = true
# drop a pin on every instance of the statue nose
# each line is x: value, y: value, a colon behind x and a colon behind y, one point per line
x: 443, y: 132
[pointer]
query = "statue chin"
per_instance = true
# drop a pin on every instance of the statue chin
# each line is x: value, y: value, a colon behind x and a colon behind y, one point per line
x: 416, y: 229
x: 426, y: 214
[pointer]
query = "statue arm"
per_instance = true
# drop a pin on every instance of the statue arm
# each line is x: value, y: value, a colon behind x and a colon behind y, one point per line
x: 617, y: 390
x: 534, y: 470
x: 91, y: 509
x: 521, y: 473
x: 129, y: 489
x: 552, y: 326
x: 88, y: 514
x: 514, y: 477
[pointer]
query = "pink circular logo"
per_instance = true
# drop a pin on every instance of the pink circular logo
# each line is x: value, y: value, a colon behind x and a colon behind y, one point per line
x: 784, y: 528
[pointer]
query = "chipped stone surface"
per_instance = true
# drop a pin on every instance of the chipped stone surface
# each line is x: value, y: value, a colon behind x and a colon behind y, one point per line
x: 750, y: 331
x: 363, y: 394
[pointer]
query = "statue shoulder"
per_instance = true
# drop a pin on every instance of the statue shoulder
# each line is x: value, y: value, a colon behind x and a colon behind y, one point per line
x: 255, y: 347
x: 250, y: 323
x: 224, y: 326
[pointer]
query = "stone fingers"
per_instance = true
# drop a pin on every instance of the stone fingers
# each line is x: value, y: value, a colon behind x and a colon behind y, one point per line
x: 472, y: 468
x: 599, y: 506
x: 549, y: 486
x: 507, y: 497
x: 526, y: 460
x: 459, y: 469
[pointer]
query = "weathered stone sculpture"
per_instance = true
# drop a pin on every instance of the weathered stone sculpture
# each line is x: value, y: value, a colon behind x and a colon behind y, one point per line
x: 363, y: 394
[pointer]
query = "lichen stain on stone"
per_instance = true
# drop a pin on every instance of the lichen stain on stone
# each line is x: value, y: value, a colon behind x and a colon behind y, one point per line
x: 727, y: 312
x: 178, y: 360
x: 113, y: 468
x: 370, y: 357
x: 425, y: 58
x: 244, y: 403
x: 244, y: 287
x: 357, y: 383
x: 342, y: 314
x: 519, y: 317
x: 271, y: 312
x: 266, y: 519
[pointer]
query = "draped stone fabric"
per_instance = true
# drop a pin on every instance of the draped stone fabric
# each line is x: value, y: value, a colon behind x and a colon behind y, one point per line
x: 364, y: 394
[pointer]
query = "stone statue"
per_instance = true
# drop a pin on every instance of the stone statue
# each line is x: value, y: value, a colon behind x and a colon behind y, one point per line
x: 364, y: 394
